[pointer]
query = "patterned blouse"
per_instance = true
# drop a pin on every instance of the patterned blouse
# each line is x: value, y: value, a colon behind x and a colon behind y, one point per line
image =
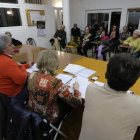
x: 43, y: 92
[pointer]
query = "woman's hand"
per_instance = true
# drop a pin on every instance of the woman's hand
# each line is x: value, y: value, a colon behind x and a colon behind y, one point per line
x: 134, y: 93
x: 18, y: 64
x: 76, y: 86
x: 31, y: 63
x: 130, y: 46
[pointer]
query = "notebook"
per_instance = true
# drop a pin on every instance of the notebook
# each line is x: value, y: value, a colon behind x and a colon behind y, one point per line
x: 83, y: 83
x: 73, y: 69
x: 65, y: 78
x: 86, y: 73
x: 33, y: 68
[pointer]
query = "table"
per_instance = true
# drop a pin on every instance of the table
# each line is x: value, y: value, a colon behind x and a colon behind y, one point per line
x: 100, y: 67
x: 72, y: 124
x: 26, y: 53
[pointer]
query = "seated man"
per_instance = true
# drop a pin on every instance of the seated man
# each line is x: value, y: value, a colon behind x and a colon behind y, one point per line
x: 75, y: 32
x: 85, y: 43
x: 59, y: 38
x: 13, y: 75
x: 13, y: 41
x: 110, y: 113
x: 92, y: 31
x: 123, y: 36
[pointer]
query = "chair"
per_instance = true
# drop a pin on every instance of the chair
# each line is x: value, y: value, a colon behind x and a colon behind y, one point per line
x: 72, y: 47
x: 38, y: 126
x: 30, y: 41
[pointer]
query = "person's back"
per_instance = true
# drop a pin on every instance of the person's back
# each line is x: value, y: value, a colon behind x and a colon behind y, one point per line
x: 110, y: 113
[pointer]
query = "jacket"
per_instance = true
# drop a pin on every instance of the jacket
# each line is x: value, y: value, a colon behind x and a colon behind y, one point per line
x: 75, y: 32
x: 89, y: 42
x: 4, y: 105
x: 25, y: 123
x: 16, y: 42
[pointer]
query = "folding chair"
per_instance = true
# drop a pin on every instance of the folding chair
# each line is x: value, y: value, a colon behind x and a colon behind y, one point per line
x: 31, y: 41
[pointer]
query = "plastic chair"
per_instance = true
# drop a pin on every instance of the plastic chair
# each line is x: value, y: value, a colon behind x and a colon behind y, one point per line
x: 72, y: 47
x: 31, y: 41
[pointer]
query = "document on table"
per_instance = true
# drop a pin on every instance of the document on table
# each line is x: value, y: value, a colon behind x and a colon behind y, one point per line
x: 102, y: 84
x: 83, y: 83
x: 33, y: 68
x: 85, y: 73
x: 65, y: 78
x: 73, y: 69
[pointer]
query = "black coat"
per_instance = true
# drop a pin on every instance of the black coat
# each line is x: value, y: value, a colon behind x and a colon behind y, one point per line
x: 26, y: 124
x: 4, y: 109
x: 75, y: 32
x: 16, y: 42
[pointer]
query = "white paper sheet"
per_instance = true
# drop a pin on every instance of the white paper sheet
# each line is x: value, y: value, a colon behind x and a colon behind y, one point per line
x: 85, y: 73
x: 42, y: 18
x: 83, y: 83
x: 35, y: 16
x: 65, y: 78
x: 99, y: 83
x: 33, y: 68
x: 73, y: 69
x: 41, y: 32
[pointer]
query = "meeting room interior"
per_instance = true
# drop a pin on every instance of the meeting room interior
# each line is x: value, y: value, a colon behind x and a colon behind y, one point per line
x: 69, y: 69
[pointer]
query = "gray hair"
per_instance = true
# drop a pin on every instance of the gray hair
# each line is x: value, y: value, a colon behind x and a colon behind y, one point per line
x: 48, y: 61
x: 138, y: 31
x: 4, y: 39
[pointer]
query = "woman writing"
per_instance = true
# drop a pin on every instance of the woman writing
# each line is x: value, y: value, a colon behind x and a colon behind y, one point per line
x: 44, y: 88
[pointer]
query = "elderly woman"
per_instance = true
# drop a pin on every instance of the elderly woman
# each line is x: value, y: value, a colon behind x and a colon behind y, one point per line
x: 44, y: 88
x: 85, y: 42
x: 134, y: 43
x: 12, y: 75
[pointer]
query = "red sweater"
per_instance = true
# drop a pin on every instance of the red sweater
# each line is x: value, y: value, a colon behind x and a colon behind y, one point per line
x: 12, y: 76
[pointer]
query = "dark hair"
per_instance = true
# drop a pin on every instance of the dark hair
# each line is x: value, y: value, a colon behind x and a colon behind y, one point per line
x: 123, y: 70
x: 116, y: 27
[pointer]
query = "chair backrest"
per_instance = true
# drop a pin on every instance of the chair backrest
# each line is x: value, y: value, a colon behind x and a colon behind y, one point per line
x: 31, y: 41
x: 72, y: 39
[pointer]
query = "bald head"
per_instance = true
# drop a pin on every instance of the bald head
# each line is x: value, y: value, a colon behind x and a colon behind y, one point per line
x: 62, y: 27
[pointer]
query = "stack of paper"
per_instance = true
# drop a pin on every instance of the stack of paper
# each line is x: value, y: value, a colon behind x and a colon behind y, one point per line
x: 33, y: 68
x: 65, y: 78
x: 73, y: 69
x: 83, y: 83
x: 85, y: 73
x: 102, y: 84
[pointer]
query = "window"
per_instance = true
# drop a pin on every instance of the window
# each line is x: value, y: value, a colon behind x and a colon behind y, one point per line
x: 134, y: 18
x: 43, y: 2
x: 10, y: 17
x: 107, y: 18
x: 9, y: 1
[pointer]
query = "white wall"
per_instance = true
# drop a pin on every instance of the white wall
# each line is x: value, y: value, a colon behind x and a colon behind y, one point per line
x: 24, y: 32
x: 78, y: 8
x: 56, y: 3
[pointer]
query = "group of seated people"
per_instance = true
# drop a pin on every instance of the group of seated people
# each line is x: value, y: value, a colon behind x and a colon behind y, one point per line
x: 110, y: 113
x: 123, y: 42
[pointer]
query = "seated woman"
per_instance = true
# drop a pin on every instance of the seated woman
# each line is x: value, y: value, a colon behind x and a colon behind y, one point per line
x: 114, y: 35
x: 133, y: 44
x: 12, y: 75
x: 102, y: 48
x: 44, y: 88
x: 123, y: 36
x: 85, y: 42
x: 99, y: 32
